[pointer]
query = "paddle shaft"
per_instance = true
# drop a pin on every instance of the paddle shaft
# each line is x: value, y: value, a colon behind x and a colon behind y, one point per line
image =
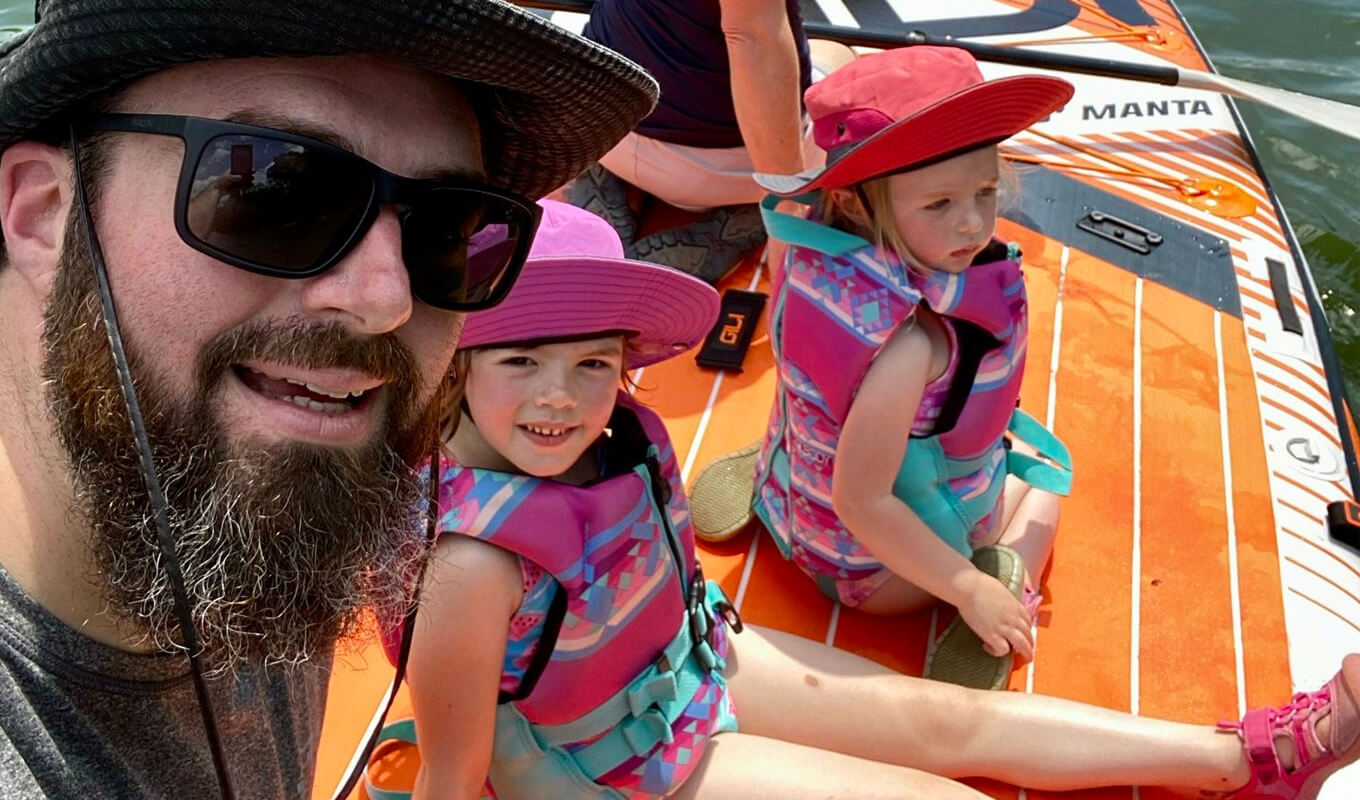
x: 1015, y: 56
x: 1337, y: 116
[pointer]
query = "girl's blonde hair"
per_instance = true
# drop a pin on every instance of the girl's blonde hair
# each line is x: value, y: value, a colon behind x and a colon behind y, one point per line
x: 844, y: 208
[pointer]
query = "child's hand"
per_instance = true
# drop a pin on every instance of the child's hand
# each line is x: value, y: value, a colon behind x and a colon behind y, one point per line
x: 998, y: 618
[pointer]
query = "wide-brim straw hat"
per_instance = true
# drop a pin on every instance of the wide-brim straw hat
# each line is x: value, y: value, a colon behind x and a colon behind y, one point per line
x: 553, y: 102
x: 577, y: 284
x: 906, y: 108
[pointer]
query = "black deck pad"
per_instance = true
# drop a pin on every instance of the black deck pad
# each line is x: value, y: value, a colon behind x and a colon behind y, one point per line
x: 1188, y: 260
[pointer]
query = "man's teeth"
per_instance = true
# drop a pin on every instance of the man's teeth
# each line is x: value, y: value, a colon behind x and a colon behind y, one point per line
x: 545, y: 431
x: 315, y: 405
x: 314, y: 389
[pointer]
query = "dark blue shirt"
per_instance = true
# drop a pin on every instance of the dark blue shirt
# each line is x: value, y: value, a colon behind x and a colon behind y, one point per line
x: 681, y: 43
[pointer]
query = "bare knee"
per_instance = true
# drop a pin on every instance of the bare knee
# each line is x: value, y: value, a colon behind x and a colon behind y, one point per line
x: 949, y: 720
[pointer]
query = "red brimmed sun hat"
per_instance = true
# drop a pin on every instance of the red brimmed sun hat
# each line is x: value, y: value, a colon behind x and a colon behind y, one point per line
x: 910, y: 107
x: 577, y: 283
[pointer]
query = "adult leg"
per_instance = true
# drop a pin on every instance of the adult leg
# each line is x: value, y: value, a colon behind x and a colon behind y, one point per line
x: 708, y: 248
x: 800, y: 691
x: 738, y: 766
x: 829, y: 56
x: 604, y: 194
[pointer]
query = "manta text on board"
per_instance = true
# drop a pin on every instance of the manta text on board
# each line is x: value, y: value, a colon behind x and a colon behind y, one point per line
x: 1147, y: 108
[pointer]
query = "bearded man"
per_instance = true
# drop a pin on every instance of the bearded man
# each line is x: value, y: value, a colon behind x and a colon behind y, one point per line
x: 239, y: 240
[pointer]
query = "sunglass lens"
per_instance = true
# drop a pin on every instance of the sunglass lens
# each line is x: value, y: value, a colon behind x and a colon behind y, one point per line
x: 273, y: 203
x: 463, y: 247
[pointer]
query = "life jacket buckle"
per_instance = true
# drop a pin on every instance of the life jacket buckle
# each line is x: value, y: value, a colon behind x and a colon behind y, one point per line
x: 728, y: 612
x: 700, y: 620
x: 661, y: 488
x: 700, y: 625
x: 707, y: 657
x: 661, y: 688
x: 645, y: 731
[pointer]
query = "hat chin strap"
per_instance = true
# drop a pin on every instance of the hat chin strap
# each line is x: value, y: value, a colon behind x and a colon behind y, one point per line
x: 166, y: 540
x: 153, y: 483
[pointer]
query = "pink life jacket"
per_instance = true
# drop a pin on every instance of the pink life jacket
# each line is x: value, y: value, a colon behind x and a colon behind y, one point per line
x: 626, y: 681
x: 838, y: 301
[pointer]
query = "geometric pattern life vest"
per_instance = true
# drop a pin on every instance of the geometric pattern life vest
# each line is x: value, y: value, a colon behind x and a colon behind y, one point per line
x: 838, y: 300
x: 626, y: 687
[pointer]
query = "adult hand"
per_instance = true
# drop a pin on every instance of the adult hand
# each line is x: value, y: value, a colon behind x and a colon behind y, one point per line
x: 998, y: 618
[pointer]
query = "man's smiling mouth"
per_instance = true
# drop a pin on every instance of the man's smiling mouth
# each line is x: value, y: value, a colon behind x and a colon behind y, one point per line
x: 329, y: 399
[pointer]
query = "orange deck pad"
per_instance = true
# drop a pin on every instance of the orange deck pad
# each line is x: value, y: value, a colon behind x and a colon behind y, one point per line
x: 1182, y: 661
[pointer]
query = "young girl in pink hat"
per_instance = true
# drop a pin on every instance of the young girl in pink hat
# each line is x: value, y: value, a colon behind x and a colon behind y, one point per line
x: 567, y: 645
x: 899, y: 328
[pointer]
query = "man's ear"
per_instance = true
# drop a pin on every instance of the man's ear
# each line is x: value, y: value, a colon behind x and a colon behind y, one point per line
x: 35, y: 198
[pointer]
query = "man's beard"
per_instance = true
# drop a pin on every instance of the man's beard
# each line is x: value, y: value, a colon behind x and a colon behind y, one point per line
x: 282, y: 545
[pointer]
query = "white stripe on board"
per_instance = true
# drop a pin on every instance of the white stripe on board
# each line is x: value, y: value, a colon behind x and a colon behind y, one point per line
x: 933, y: 631
x: 1234, y: 585
x: 831, y: 626
x: 1136, y: 567
x: 904, y: 10
x: 1048, y: 422
x: 746, y: 570
x: 1057, y: 338
x: 837, y: 13
x: 702, y: 429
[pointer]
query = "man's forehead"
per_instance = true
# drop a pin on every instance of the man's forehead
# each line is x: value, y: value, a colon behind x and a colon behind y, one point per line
x: 405, y: 119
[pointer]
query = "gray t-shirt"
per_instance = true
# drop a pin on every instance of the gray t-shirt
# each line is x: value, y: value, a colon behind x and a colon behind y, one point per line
x: 79, y: 719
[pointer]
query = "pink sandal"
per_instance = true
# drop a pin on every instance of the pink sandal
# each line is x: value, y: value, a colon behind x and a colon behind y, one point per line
x: 1296, y: 723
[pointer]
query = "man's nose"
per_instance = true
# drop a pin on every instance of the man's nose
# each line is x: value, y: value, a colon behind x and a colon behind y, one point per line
x: 370, y: 285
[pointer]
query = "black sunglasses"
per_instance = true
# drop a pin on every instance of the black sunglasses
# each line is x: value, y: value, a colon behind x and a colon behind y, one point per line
x: 290, y: 206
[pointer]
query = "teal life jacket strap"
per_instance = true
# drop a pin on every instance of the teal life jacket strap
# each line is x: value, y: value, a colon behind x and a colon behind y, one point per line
x: 636, y: 719
x: 642, y: 714
x: 922, y: 480
x: 805, y: 233
x: 657, y: 683
x: 1052, y: 470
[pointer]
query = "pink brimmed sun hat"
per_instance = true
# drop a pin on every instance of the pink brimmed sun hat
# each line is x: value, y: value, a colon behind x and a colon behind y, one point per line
x: 910, y: 107
x: 577, y: 283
